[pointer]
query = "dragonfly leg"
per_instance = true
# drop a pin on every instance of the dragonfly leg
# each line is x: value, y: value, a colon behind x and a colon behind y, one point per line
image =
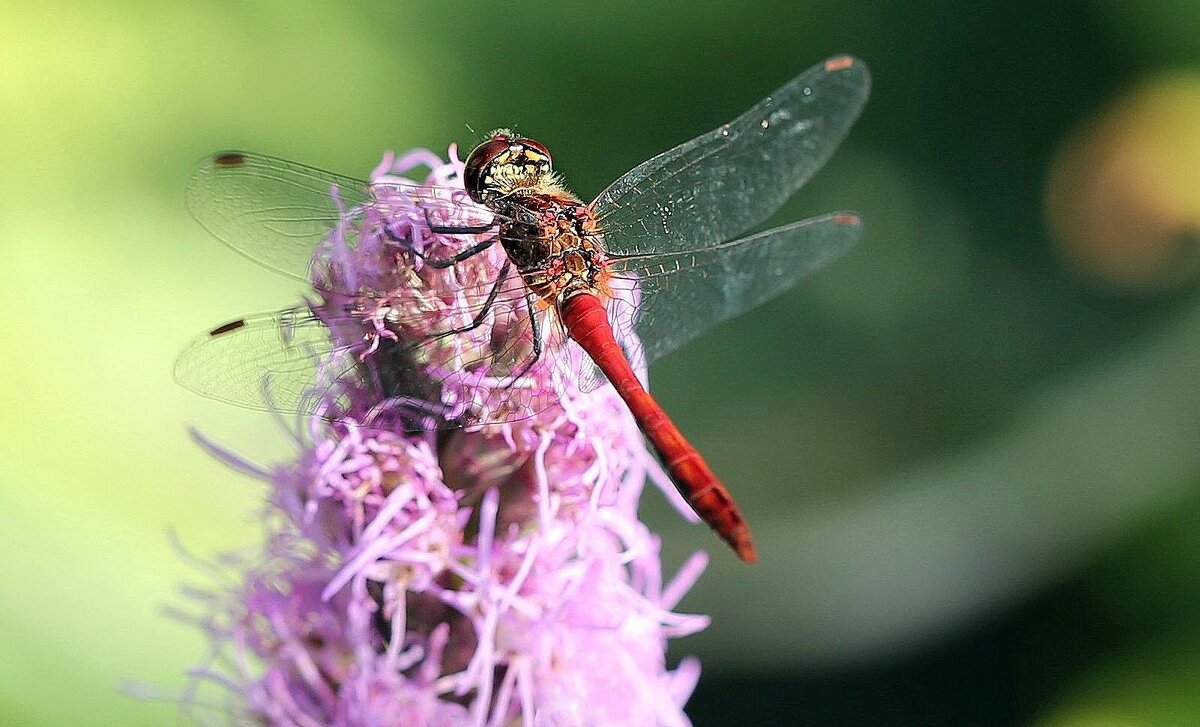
x: 483, y: 310
x: 456, y: 229
x: 456, y: 259
x: 443, y: 263
x: 537, y: 339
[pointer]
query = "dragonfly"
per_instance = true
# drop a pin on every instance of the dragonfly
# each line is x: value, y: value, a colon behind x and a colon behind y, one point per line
x: 651, y: 263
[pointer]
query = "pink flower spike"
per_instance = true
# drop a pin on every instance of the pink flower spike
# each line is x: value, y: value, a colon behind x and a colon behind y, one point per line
x: 484, y: 576
x: 683, y: 581
x: 228, y: 457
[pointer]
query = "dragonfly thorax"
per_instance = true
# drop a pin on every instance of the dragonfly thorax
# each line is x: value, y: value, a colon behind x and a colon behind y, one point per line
x: 554, y: 242
x: 552, y: 239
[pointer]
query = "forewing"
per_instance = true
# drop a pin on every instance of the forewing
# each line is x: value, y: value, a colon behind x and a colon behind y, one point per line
x: 277, y: 212
x: 667, y: 300
x: 720, y: 184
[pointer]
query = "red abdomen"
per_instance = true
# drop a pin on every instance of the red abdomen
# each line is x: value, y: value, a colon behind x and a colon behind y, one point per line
x: 586, y: 321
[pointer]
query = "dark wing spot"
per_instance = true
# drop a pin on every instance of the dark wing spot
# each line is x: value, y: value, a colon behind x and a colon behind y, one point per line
x: 839, y: 63
x: 230, y: 326
x: 230, y: 159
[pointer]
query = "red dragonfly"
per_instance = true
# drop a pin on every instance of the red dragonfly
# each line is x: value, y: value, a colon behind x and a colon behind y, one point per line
x: 641, y: 270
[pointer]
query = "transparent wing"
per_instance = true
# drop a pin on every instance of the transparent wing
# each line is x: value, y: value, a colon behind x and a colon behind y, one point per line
x: 324, y: 362
x: 720, y: 184
x: 669, y: 299
x: 267, y: 361
x: 277, y: 212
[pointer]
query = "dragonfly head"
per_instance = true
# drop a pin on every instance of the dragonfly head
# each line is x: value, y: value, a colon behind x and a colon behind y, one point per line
x: 506, y: 164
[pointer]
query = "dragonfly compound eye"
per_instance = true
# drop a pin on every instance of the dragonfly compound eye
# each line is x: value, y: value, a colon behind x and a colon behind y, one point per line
x: 505, y: 164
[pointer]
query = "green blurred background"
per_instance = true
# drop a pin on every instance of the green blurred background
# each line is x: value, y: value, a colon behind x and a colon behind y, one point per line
x: 969, y: 449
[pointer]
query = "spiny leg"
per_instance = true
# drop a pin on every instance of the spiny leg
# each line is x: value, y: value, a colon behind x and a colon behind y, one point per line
x: 441, y: 264
x: 398, y: 378
x: 483, y: 310
x: 439, y: 229
x: 537, y: 339
x: 458, y: 258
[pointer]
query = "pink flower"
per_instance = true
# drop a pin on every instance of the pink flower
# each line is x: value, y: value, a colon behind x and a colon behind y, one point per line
x: 484, y: 575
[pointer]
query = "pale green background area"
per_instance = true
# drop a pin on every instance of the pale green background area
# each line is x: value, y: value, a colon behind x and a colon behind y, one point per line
x: 932, y: 430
